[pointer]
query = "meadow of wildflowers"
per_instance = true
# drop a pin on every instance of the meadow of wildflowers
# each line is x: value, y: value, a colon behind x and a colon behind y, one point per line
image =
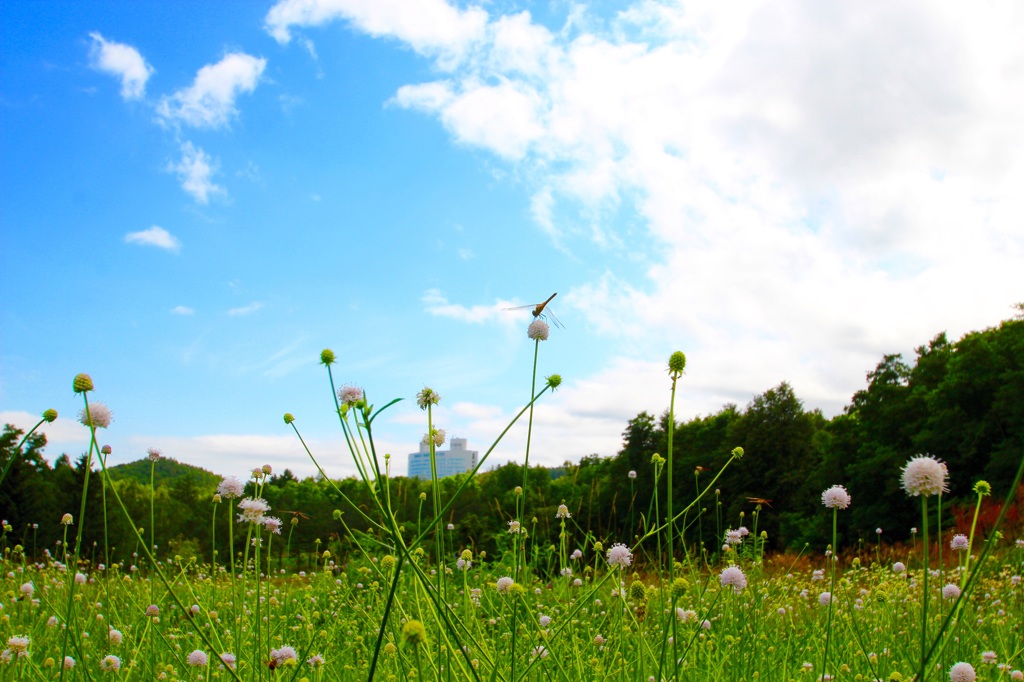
x: 411, y: 602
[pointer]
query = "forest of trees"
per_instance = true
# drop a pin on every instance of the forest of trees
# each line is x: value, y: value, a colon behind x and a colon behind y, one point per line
x: 961, y: 401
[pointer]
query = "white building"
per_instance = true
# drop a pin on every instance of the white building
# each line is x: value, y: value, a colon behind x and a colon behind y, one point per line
x: 449, y: 462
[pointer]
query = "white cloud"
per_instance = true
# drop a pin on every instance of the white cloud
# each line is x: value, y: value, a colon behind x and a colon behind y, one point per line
x: 820, y: 184
x: 210, y: 101
x: 123, y: 61
x: 437, y: 304
x: 245, y: 309
x: 154, y: 236
x: 431, y: 27
x: 182, y: 310
x: 195, y: 171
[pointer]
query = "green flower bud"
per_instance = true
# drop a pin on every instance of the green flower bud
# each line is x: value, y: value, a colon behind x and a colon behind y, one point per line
x: 50, y: 415
x: 337, y: 513
x: 414, y: 633
x: 554, y: 381
x: 676, y: 363
x: 327, y: 357
x: 983, y: 488
x: 288, y: 418
x: 737, y: 452
x: 82, y: 383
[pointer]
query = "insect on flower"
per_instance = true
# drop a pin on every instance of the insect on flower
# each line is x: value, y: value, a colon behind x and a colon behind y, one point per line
x: 539, y: 311
x: 760, y: 500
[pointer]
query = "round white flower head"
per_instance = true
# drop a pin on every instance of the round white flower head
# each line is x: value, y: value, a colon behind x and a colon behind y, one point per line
x: 825, y: 598
x: 950, y: 591
x: 988, y: 657
x: 350, y: 395
x: 960, y: 543
x: 451, y: 526
x: 563, y: 512
x: 316, y: 661
x: 732, y: 576
x: 962, y: 672
x: 272, y: 523
x: 154, y: 454
x: 898, y: 567
x: 27, y: 589
x: 619, y: 555
x: 427, y: 397
x: 577, y: 583
x: 285, y: 653
x: 463, y: 565
x: 1017, y: 676
x: 539, y: 652
x: 836, y: 497
x: 733, y: 537
x: 229, y: 659
x: 504, y: 584
x: 18, y: 645
x: 115, y: 636
x: 100, y: 414
x: 538, y: 330
x: 925, y: 475
x: 110, y: 663
x: 198, y: 658
x: 544, y: 621
x: 631, y: 474
x: 230, y: 488
x: 742, y: 530
x: 69, y: 663
x: 576, y: 555
x: 252, y: 510
x: 437, y: 435
x: 515, y: 527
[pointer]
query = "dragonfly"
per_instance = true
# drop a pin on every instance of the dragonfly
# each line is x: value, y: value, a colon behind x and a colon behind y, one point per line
x: 542, y: 311
x: 760, y: 500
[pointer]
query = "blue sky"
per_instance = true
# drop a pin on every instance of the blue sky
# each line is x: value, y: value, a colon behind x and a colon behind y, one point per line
x: 198, y: 198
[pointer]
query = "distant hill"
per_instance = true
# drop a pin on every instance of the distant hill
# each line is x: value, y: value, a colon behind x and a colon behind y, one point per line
x: 168, y: 472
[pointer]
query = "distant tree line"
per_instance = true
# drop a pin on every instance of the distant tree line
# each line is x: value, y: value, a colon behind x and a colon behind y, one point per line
x: 961, y: 401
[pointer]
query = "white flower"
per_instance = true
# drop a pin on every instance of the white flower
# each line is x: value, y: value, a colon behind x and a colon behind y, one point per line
x: 733, y: 537
x: 437, y: 435
x: 962, y: 672
x: 733, y: 576
x: 100, y: 413
x: 898, y: 567
x: 18, y: 645
x: 950, y: 591
x: 836, y: 497
x: 925, y: 475
x: 427, y: 397
x: 252, y: 510
x: 27, y: 589
x: 154, y: 454
x: 825, y: 598
x: 285, y: 653
x: 538, y: 330
x: 115, y: 636
x: 230, y: 488
x: 350, y: 395
x: 960, y: 543
x: 631, y: 474
x: 110, y: 663
x: 544, y: 621
x: 563, y: 512
x: 198, y: 658
x: 272, y: 523
x: 515, y: 527
x: 504, y: 584
x: 620, y: 555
